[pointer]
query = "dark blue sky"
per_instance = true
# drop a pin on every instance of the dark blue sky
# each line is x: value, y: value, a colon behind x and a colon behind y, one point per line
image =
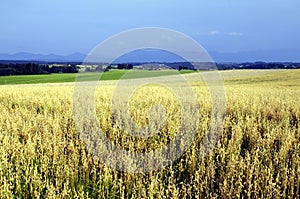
x: 68, y: 26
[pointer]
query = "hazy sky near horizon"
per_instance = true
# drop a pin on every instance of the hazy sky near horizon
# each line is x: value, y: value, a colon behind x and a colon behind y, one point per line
x: 68, y: 26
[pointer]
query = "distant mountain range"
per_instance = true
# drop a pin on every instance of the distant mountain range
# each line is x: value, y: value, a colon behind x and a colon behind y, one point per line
x: 75, y: 57
x: 292, y: 55
x: 276, y: 55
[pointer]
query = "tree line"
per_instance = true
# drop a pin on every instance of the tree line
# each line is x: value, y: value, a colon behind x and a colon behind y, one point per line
x: 258, y: 65
x: 35, y: 69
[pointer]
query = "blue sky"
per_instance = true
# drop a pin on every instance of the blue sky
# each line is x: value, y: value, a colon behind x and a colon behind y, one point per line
x: 68, y: 26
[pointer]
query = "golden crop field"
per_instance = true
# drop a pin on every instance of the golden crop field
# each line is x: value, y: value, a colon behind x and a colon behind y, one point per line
x: 256, y: 156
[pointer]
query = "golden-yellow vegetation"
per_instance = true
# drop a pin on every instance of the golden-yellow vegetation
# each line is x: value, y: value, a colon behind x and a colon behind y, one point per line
x: 257, y: 155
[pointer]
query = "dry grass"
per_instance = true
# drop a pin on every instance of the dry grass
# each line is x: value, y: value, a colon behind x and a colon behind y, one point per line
x: 257, y: 156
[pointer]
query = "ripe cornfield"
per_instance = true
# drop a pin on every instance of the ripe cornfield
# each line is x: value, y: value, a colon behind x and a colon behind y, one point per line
x: 256, y: 156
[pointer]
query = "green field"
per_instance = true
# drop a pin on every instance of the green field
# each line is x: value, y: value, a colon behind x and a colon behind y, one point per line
x: 61, y: 78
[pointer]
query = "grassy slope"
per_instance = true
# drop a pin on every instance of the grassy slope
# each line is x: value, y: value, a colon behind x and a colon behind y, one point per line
x: 272, y: 78
x: 60, y: 78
